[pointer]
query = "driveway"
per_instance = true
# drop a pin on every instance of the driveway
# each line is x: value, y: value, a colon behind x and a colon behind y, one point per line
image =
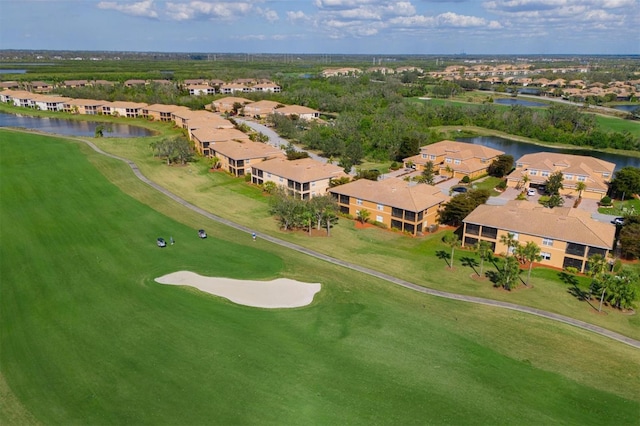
x: 275, y: 139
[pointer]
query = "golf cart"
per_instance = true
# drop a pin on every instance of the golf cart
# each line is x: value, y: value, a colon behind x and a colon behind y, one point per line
x: 161, y: 242
x: 202, y: 234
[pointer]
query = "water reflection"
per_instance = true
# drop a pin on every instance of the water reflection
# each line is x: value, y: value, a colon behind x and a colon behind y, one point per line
x: 62, y: 126
x: 518, y: 149
x: 521, y: 102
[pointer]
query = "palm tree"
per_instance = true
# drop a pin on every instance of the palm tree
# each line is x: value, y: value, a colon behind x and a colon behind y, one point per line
x: 531, y: 253
x: 510, y: 241
x: 580, y: 186
x: 449, y: 170
x: 452, y: 241
x: 363, y: 215
x: 483, y: 249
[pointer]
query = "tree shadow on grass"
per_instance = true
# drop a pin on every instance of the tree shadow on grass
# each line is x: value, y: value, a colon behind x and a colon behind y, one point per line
x: 575, y: 290
x: 494, y: 277
x: 443, y: 255
x: 470, y: 262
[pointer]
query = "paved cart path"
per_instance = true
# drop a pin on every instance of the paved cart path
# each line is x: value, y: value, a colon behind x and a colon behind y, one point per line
x: 471, y: 299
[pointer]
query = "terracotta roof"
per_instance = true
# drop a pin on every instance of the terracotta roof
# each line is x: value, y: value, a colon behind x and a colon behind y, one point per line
x: 246, y: 150
x: 561, y: 223
x: 164, y: 108
x: 124, y: 104
x: 296, y: 109
x: 459, y: 150
x: 85, y: 102
x: 207, y: 134
x: 394, y: 192
x: 301, y: 170
x: 590, y: 167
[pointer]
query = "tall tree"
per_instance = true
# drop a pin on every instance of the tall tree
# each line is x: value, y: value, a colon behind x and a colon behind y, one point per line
x: 626, y: 182
x: 508, y: 274
x: 501, y: 166
x: 580, y: 186
x: 554, y: 183
x: 428, y: 173
x: 510, y: 242
x: 531, y: 253
x: 483, y: 249
x: 453, y: 241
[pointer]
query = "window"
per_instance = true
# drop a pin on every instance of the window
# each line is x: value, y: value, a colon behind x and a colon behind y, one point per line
x: 269, y: 175
x: 568, y: 177
x: 432, y: 157
x: 424, y: 156
x: 581, y: 178
x: 281, y: 179
x: 456, y: 162
x: 544, y: 173
x: 472, y: 229
x: 605, y: 175
x: 547, y: 242
x: 379, y: 219
x: 358, y: 201
x: 313, y: 184
x: 448, y: 160
x: 545, y: 256
x: 533, y: 172
x: 380, y: 207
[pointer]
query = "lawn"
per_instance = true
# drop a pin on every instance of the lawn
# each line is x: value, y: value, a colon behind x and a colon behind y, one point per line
x: 87, y: 337
x: 413, y: 259
x: 620, y: 208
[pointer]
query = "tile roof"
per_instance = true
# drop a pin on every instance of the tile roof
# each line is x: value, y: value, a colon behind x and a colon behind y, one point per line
x: 207, y: 134
x: 394, y: 192
x: 590, y: 167
x: 459, y: 150
x: 301, y: 170
x: 296, y: 109
x: 561, y: 223
x: 246, y: 150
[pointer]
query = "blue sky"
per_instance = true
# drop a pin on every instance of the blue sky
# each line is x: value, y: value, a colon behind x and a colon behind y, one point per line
x: 325, y: 26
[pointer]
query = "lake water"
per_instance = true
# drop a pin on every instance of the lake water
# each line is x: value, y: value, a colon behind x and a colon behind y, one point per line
x: 7, y: 71
x: 518, y: 149
x: 627, y: 108
x: 62, y: 126
x: 522, y: 102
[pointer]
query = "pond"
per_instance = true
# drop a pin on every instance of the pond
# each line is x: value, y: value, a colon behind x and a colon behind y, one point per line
x: 63, y: 126
x: 522, y: 102
x: 518, y: 149
x: 627, y: 107
x: 8, y: 71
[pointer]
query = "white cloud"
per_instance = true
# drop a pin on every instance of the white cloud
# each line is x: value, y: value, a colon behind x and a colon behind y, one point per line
x: 143, y: 8
x: 297, y: 16
x: 207, y: 10
x: 269, y: 14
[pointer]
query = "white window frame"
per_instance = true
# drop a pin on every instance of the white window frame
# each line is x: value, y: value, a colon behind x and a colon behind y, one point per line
x: 380, y: 207
x: 447, y: 160
x: 582, y: 178
x: 545, y: 255
x: 547, y: 242
x: 358, y: 202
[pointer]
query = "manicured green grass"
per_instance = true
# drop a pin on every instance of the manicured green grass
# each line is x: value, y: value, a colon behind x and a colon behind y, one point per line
x: 413, y: 259
x: 615, y: 124
x: 620, y: 208
x: 87, y: 337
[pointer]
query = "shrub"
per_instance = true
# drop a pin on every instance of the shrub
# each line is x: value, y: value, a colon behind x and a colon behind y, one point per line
x: 380, y: 224
x: 269, y: 187
x: 465, y: 179
x: 247, y: 178
x: 394, y: 166
x: 605, y: 201
x: 521, y: 196
x: 502, y: 185
x: 571, y: 270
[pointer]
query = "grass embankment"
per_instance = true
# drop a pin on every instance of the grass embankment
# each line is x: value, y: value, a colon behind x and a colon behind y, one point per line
x: 88, y: 337
x: 413, y: 259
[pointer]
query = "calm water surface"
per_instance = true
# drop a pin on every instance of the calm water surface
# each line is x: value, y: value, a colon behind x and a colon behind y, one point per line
x: 627, y: 108
x: 62, y: 126
x: 522, y: 102
x: 518, y: 149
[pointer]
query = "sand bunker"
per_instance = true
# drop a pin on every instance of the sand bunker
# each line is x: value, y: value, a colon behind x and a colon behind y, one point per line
x: 279, y: 293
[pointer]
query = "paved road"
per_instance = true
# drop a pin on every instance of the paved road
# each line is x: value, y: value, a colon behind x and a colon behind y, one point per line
x: 274, y: 138
x: 479, y: 300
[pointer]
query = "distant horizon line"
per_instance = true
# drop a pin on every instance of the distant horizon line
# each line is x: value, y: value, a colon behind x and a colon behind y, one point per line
x: 319, y: 54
